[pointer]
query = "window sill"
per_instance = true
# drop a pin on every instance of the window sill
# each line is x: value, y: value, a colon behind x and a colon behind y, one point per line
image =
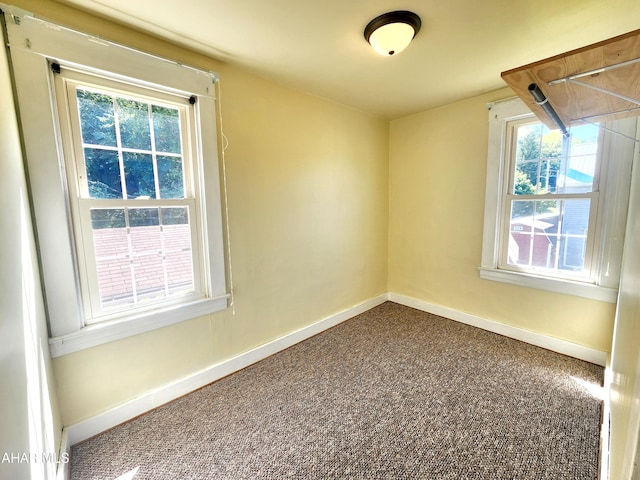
x: 567, y: 287
x: 100, y: 333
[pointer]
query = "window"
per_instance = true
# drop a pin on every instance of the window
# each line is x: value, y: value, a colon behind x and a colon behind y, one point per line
x: 134, y: 195
x: 122, y: 153
x: 551, y: 200
x: 555, y: 206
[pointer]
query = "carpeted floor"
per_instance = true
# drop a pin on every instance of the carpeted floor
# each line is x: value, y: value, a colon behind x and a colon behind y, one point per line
x: 394, y: 393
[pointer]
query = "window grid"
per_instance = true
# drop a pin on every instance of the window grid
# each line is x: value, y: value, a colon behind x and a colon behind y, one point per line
x: 154, y: 260
x: 548, y: 218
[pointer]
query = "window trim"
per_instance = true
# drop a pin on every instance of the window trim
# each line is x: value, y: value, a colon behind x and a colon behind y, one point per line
x: 33, y: 45
x: 611, y: 216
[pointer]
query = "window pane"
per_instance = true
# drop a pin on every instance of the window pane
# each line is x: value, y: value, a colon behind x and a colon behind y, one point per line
x: 143, y: 217
x: 177, y: 249
x: 113, y: 263
x: 573, y: 238
x: 146, y: 253
x: 150, y: 260
x: 96, y: 118
x: 147, y: 174
x: 170, y: 179
x: 103, y: 173
x: 578, y: 171
x: 549, y: 234
x: 175, y: 216
x: 166, y: 129
x: 538, y: 159
x: 138, y: 172
x: 134, y: 124
x: 107, y: 218
x: 544, y: 165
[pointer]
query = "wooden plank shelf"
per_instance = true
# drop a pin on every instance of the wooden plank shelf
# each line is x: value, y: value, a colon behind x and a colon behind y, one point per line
x: 613, y: 66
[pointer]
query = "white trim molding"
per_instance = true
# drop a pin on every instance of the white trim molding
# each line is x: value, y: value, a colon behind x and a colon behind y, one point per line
x: 92, y: 426
x: 559, y: 285
x: 100, y: 333
x: 97, y: 424
x: 564, y: 347
x: 63, y: 472
x: 605, y: 433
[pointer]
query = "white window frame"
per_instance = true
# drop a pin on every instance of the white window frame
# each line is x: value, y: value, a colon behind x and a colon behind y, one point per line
x: 34, y: 45
x: 588, y: 272
x: 65, y: 82
x: 608, y: 216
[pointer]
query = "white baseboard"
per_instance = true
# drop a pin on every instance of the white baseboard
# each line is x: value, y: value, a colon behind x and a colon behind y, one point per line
x: 99, y: 423
x: 560, y: 346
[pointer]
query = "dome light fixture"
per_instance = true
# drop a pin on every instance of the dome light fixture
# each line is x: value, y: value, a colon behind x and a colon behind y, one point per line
x: 392, y: 32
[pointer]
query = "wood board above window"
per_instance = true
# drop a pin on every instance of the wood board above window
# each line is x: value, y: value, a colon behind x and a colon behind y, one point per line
x: 575, y: 82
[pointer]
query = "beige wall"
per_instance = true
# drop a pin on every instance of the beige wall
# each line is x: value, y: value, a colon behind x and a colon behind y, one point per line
x: 308, y: 212
x: 30, y: 422
x: 436, y: 192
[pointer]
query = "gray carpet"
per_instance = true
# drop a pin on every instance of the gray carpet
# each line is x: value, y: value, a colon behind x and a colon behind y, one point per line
x: 394, y: 393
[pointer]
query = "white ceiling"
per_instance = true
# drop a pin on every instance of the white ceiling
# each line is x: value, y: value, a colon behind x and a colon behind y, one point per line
x: 317, y: 46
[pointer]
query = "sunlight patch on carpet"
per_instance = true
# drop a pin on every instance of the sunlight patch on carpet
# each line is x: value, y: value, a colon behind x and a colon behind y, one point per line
x: 129, y: 475
x: 594, y: 389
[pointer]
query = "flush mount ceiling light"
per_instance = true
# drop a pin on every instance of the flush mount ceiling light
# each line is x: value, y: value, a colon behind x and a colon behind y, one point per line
x: 392, y: 32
